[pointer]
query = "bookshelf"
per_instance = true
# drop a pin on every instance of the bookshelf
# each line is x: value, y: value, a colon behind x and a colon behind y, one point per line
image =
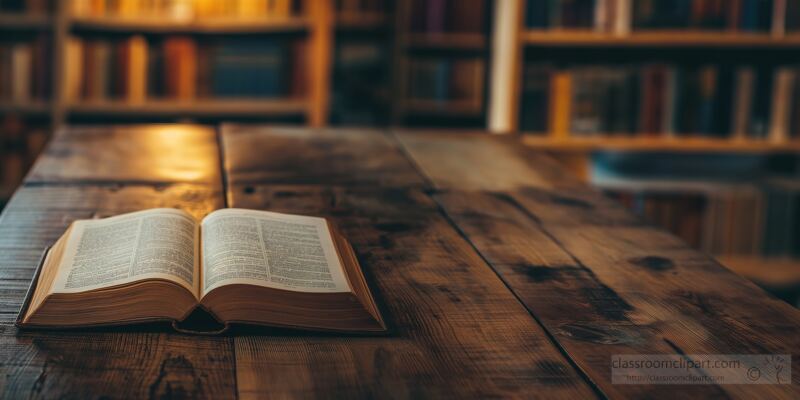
x: 517, y: 46
x: 315, y: 23
x: 567, y: 52
x: 312, y: 24
x: 439, y: 41
x: 655, y: 39
x: 211, y: 26
x: 25, y: 91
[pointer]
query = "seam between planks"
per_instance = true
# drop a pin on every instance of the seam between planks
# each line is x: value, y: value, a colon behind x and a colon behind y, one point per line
x: 221, y: 156
x: 442, y: 211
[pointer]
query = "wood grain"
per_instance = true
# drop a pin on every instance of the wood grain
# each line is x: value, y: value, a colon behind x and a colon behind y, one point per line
x: 498, y: 273
x: 601, y: 281
x: 456, y: 329
x: 324, y: 157
x: 140, y: 153
x: 131, y: 362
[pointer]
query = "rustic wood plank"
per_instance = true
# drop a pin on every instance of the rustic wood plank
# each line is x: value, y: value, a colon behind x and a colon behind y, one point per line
x: 491, y: 162
x: 138, y: 153
x: 97, y: 174
x: 601, y: 281
x: 334, y: 157
x: 456, y: 329
x: 117, y: 364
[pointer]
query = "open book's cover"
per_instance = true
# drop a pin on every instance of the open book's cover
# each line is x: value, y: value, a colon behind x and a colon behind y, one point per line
x: 186, y: 324
x: 31, y: 288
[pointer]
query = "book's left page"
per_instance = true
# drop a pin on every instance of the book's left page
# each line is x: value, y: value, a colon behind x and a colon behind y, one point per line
x: 153, y: 244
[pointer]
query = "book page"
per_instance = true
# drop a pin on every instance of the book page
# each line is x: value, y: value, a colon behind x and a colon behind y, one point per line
x: 158, y: 243
x: 276, y: 250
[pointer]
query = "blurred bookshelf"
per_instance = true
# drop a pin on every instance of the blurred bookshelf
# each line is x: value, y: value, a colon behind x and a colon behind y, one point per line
x: 26, y: 56
x: 308, y: 62
x: 442, y: 52
x: 85, y: 61
x: 623, y: 91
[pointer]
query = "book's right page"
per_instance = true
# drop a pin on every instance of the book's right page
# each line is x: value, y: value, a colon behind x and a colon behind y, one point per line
x: 279, y: 251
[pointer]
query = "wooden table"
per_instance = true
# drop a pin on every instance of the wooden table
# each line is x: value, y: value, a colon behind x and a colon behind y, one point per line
x: 499, y: 274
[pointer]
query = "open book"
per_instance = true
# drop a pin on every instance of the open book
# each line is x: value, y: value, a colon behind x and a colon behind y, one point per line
x: 240, y: 266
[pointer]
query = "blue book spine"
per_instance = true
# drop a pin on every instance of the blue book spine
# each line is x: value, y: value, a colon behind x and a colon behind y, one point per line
x: 245, y: 68
x: 442, y: 80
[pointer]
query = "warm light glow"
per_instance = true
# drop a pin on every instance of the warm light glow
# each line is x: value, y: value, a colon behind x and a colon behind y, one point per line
x: 179, y: 155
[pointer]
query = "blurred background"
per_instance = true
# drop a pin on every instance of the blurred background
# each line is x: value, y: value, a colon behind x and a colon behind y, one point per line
x: 686, y: 111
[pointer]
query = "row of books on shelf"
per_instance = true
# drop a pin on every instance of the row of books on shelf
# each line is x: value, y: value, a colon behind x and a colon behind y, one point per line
x: 31, y: 7
x: 622, y: 16
x: 359, y: 7
x: 186, y: 9
x: 439, y: 16
x: 24, y: 70
x: 657, y: 99
x: 446, y: 79
x: 180, y: 67
x: 721, y: 219
x: 20, y: 143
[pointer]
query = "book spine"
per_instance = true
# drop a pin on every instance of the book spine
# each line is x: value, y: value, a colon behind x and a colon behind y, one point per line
x: 743, y: 94
x: 435, y: 16
x: 781, y: 104
x: 74, y: 69
x: 601, y: 16
x: 670, y: 92
x: 137, y: 70
x: 778, y: 18
x: 623, y: 15
x: 561, y: 93
x: 21, y: 66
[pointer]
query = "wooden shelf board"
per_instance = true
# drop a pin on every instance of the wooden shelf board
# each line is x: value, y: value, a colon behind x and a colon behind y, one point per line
x: 682, y: 144
x: 28, y: 108
x: 562, y: 38
x: 448, y: 41
x: 362, y: 21
x: 200, y: 26
x: 208, y: 108
x: 21, y: 21
x: 772, y: 272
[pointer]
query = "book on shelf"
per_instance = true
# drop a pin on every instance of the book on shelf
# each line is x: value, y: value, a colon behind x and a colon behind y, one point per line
x: 180, y: 67
x: 359, y: 7
x: 186, y: 10
x: 792, y: 22
x: 360, y: 81
x: 235, y: 265
x: 443, y: 80
x: 134, y: 69
x: 24, y: 70
x: 658, y: 99
x: 535, y: 97
x: 249, y: 67
x: 447, y: 16
x: 21, y: 141
x: 623, y: 16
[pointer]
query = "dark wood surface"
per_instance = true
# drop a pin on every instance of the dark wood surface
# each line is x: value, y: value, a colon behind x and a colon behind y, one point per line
x: 499, y: 275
